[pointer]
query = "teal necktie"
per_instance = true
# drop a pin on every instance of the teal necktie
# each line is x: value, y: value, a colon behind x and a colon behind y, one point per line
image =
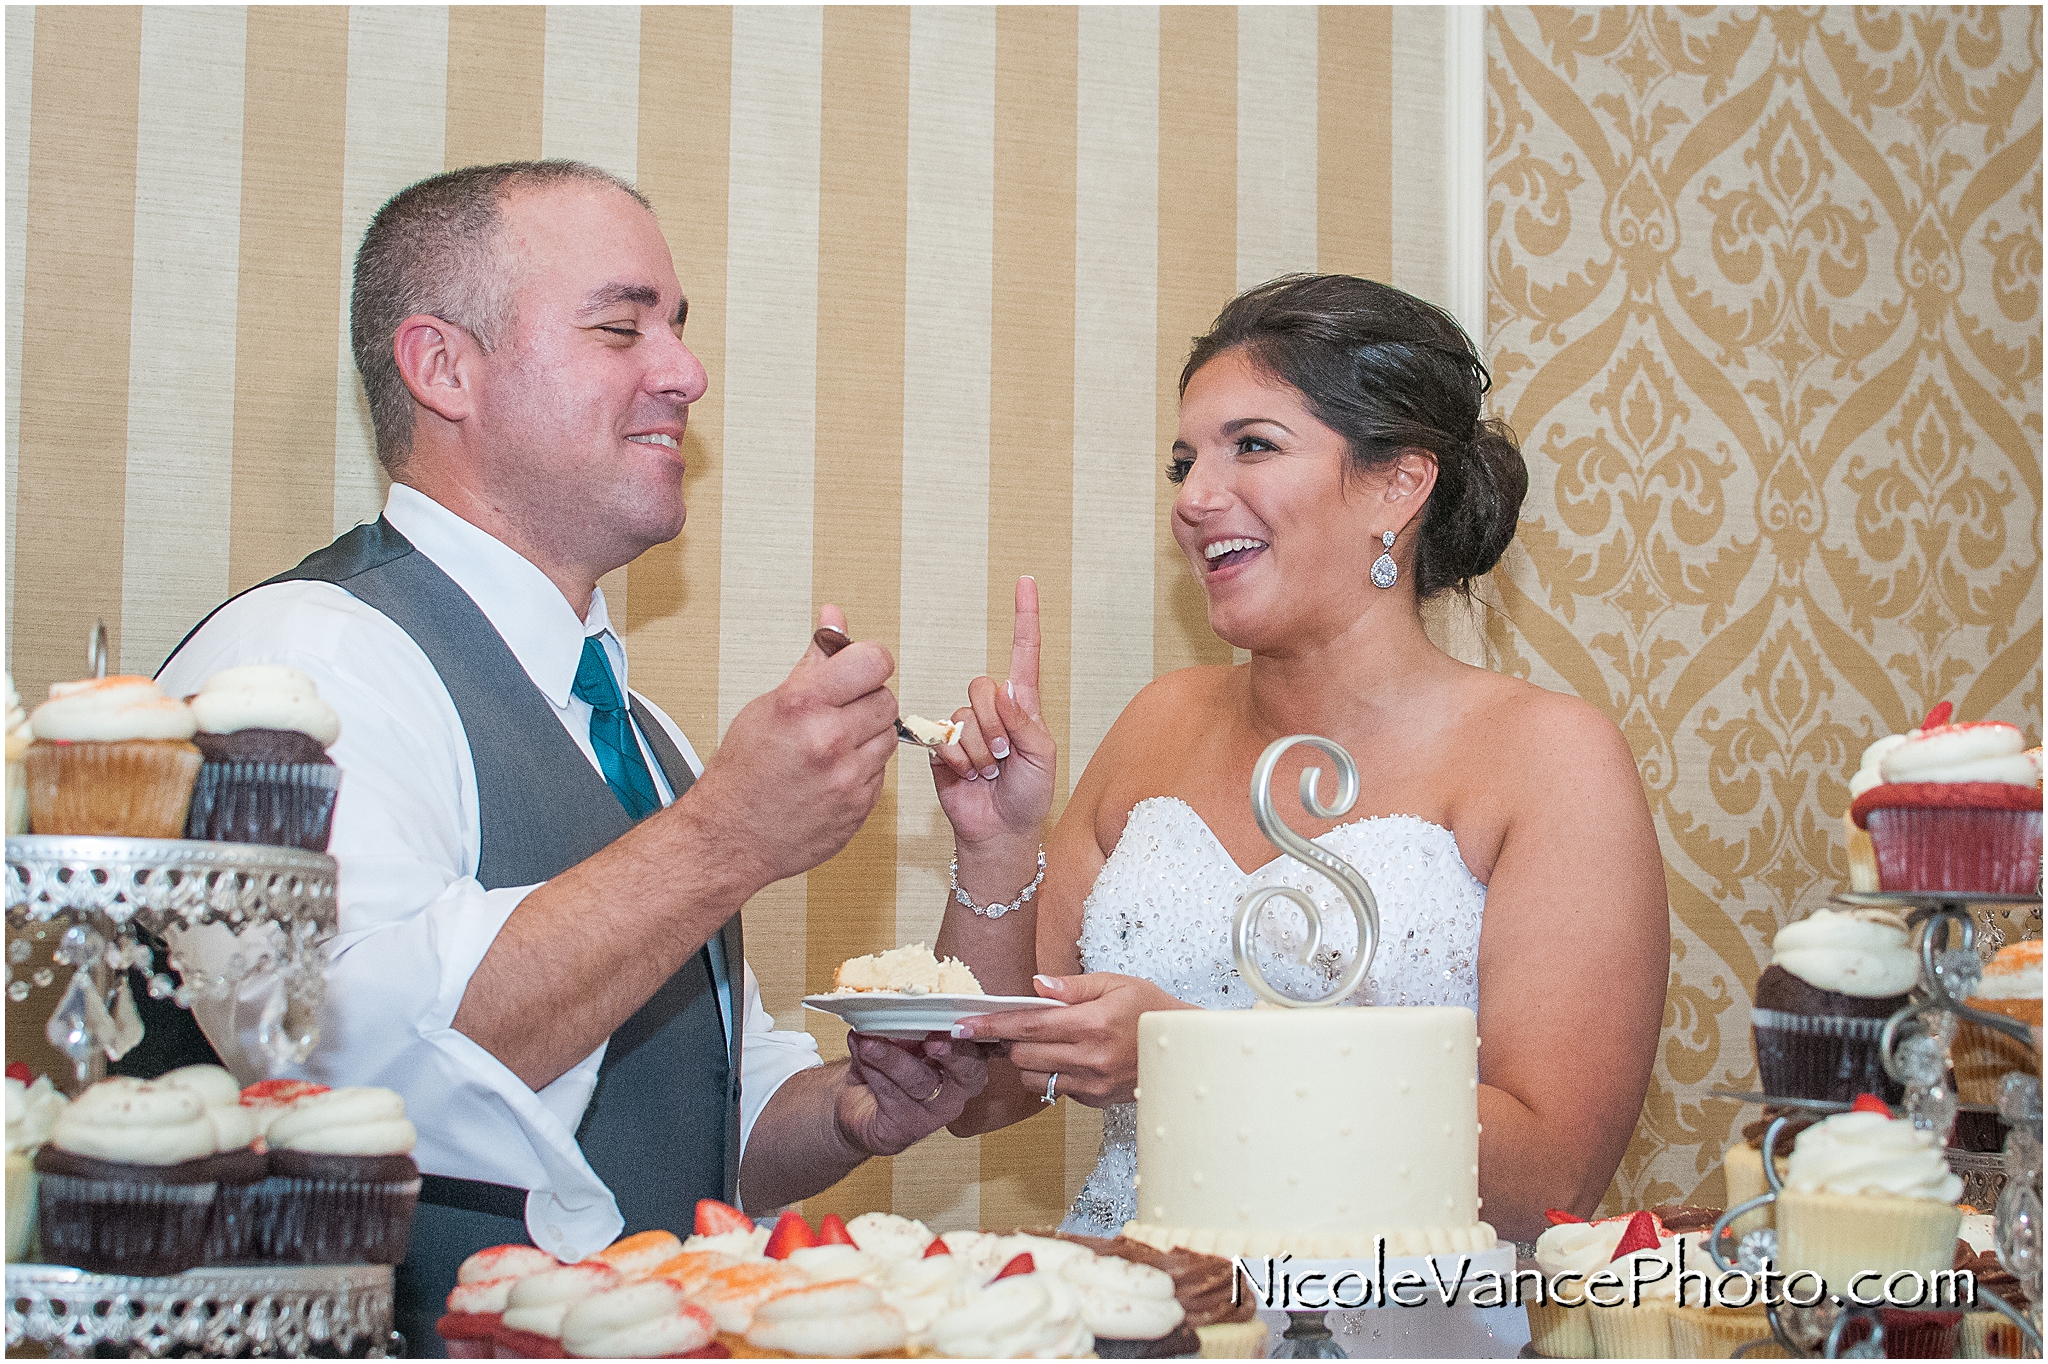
x: 611, y: 734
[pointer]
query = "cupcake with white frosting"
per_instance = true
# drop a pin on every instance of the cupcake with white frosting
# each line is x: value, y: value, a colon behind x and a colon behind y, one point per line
x: 33, y: 1107
x: 1958, y: 809
x: 1867, y: 1193
x: 264, y: 732
x: 342, y: 1185
x: 112, y: 757
x: 1834, y: 977
x: 233, y: 1235
x: 127, y: 1180
x: 840, y: 1319
x: 1983, y: 1057
x: 1025, y: 1316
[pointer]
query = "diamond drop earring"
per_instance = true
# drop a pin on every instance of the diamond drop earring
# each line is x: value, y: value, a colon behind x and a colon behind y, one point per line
x: 1384, y: 569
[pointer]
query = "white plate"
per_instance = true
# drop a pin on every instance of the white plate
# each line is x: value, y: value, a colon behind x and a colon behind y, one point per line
x: 885, y: 1015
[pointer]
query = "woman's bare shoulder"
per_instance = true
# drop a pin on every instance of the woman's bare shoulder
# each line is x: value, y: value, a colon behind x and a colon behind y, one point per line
x: 1522, y: 723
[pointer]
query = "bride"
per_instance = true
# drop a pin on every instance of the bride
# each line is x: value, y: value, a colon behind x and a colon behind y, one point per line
x: 1334, y: 473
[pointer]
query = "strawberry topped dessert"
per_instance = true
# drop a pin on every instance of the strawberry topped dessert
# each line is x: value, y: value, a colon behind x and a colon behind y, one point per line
x: 1958, y: 809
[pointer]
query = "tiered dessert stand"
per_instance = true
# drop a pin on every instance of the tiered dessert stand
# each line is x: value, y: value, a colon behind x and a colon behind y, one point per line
x: 97, y: 907
x: 1915, y: 1045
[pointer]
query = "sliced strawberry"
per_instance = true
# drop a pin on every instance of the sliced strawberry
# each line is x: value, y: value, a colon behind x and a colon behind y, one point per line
x: 1021, y: 1264
x: 280, y: 1091
x: 1938, y: 716
x: 716, y: 1219
x: 1558, y: 1217
x: 937, y: 1247
x: 18, y: 1070
x: 833, y: 1232
x: 1870, y: 1103
x: 1641, y: 1235
x: 791, y: 1233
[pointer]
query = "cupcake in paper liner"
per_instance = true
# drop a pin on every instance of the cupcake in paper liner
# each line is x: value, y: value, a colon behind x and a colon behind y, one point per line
x: 1867, y: 1194
x: 1834, y: 977
x: 33, y: 1107
x: 128, y: 1179
x: 1561, y: 1327
x: 342, y: 1185
x: 231, y: 1235
x: 1716, y: 1332
x: 1958, y: 809
x: 1988, y: 1335
x: 112, y: 757
x: 264, y: 733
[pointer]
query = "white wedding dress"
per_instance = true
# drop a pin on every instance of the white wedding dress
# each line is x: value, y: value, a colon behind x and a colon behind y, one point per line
x: 1162, y: 909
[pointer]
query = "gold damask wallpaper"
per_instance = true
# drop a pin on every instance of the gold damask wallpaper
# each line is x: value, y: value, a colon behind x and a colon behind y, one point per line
x: 1765, y: 308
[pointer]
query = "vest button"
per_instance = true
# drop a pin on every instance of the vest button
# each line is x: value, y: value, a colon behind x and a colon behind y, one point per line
x: 554, y: 1232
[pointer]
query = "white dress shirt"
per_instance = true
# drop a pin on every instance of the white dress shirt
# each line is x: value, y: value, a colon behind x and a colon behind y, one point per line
x: 414, y: 921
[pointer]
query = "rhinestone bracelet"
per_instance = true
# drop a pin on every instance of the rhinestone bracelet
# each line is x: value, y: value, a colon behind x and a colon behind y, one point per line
x: 993, y: 911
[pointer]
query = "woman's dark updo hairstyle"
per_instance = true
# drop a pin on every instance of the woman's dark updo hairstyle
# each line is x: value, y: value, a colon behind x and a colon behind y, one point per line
x: 1389, y: 372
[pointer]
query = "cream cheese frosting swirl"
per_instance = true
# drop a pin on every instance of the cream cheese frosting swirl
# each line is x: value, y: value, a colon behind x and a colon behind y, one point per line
x: 1121, y: 1299
x: 2015, y: 973
x: 828, y: 1262
x: 539, y: 1302
x: 32, y: 1110
x: 142, y: 1124
x: 360, y: 1120
x: 743, y: 1245
x: 1026, y: 1316
x: 110, y: 710
x: 1582, y: 1248
x: 640, y: 1321
x: 838, y: 1319
x: 265, y: 696
x: 922, y: 1289
x: 1863, y: 952
x: 1868, y: 773
x: 1868, y: 1153
x: 1986, y: 750
x: 889, y: 1235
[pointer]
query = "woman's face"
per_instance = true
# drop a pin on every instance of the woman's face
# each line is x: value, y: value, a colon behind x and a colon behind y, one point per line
x: 1277, y: 536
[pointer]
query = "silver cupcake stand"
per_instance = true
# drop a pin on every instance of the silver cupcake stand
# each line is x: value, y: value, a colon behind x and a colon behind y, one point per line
x: 97, y: 907
x: 1915, y: 1047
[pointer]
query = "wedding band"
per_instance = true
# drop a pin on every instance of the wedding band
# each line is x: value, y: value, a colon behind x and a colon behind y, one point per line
x: 1052, y: 1084
x: 935, y: 1092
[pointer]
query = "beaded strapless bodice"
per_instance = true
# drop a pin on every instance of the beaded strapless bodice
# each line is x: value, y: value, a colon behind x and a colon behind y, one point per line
x: 1162, y: 909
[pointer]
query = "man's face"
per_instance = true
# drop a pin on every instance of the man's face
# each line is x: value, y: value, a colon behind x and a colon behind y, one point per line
x: 582, y: 405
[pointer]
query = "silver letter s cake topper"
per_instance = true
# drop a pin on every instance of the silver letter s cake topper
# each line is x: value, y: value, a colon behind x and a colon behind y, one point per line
x: 1364, y: 908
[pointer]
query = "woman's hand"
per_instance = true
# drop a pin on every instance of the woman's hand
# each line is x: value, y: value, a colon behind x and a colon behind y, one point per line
x: 996, y: 783
x: 1092, y: 1044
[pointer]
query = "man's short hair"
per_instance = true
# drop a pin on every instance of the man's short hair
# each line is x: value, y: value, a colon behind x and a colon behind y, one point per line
x: 432, y: 249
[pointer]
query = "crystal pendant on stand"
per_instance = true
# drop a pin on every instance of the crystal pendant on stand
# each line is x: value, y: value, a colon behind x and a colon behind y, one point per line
x: 80, y: 1026
x: 127, y: 1020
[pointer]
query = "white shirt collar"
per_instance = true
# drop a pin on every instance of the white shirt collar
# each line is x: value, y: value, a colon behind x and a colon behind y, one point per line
x: 522, y: 603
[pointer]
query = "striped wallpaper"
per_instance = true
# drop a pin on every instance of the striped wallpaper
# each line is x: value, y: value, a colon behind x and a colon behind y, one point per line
x: 943, y: 266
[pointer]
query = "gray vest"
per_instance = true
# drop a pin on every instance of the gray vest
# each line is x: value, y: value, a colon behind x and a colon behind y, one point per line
x: 662, y: 1127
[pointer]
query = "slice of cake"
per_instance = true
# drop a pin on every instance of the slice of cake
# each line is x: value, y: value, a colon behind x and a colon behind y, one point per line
x: 911, y: 970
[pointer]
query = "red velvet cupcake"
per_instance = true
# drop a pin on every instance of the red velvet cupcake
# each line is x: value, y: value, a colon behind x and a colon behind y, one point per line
x: 1959, y: 810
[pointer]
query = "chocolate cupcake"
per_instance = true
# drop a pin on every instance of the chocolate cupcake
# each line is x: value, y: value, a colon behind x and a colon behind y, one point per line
x: 127, y: 1182
x: 1836, y: 976
x: 264, y: 734
x: 342, y: 1185
x: 112, y: 758
x: 231, y: 1237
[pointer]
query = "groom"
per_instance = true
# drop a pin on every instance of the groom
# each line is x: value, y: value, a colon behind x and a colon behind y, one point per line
x: 540, y: 884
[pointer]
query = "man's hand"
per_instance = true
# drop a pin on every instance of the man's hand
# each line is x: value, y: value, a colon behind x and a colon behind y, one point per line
x: 896, y: 1098
x: 801, y: 766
